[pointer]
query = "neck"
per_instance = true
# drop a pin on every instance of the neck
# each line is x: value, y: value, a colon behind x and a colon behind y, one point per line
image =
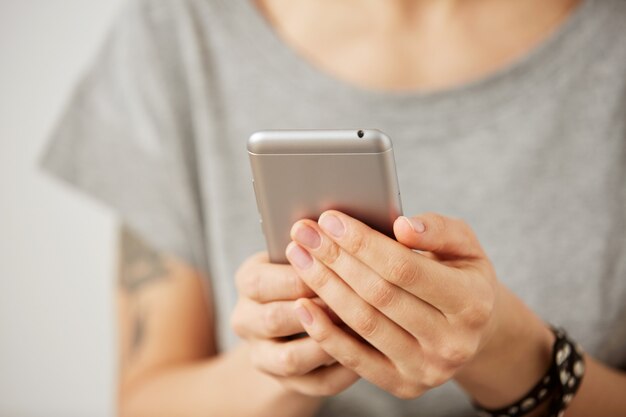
x: 388, y: 40
x: 401, y: 13
x: 405, y: 11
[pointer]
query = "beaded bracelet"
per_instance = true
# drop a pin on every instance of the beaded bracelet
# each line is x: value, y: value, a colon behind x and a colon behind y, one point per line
x: 559, y: 384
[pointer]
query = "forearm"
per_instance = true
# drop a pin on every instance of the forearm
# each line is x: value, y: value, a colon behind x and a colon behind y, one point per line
x: 602, y: 392
x: 224, y: 385
x: 167, y: 352
x: 505, y: 373
x: 513, y: 363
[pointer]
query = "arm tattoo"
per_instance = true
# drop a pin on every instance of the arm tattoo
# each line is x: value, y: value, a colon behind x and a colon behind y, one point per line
x: 139, y: 263
x: 139, y: 331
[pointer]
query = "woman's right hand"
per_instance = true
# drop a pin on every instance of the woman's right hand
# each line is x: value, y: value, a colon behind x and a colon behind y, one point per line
x: 265, y: 317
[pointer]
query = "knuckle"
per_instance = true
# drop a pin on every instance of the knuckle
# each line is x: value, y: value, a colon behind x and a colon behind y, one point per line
x: 288, y: 362
x: 250, y: 284
x: 242, y: 273
x: 403, y: 271
x: 236, y: 323
x: 454, y: 354
x: 406, y: 389
x: 272, y: 319
x: 350, y: 361
x: 330, y: 253
x: 477, y: 315
x: 357, y: 243
x: 382, y: 294
x: 366, y: 325
x: 321, y: 334
x: 434, y: 377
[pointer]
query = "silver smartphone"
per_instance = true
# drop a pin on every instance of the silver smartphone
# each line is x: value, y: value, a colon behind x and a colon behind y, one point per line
x: 302, y: 173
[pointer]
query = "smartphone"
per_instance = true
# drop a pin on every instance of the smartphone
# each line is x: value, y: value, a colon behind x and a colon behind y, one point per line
x: 300, y: 174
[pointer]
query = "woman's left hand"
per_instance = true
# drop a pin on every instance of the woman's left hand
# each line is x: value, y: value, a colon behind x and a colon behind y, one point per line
x: 424, y: 315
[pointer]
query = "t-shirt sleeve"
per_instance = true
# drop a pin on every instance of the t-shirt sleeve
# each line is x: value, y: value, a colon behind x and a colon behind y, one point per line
x: 126, y: 137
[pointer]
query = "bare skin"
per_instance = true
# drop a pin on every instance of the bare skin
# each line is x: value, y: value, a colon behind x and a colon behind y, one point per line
x: 429, y: 317
x: 169, y: 363
x: 413, y: 44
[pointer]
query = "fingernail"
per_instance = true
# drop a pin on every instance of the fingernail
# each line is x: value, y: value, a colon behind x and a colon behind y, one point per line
x: 299, y: 257
x: 415, y: 224
x: 303, y: 315
x: 332, y: 225
x: 307, y: 236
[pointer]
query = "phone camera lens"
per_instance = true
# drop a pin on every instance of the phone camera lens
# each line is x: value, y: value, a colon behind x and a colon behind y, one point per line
x: 360, y: 133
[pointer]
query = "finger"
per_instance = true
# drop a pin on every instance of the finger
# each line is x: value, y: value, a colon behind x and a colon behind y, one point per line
x: 322, y: 382
x: 427, y: 279
x: 262, y: 281
x: 445, y: 236
x: 386, y: 336
x: 405, y: 309
x: 296, y: 357
x: 362, y: 359
x: 270, y: 320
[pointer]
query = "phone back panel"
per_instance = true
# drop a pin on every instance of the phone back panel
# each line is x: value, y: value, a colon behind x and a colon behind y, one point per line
x: 301, y: 174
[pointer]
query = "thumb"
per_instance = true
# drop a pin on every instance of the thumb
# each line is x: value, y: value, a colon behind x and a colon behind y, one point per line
x: 446, y: 237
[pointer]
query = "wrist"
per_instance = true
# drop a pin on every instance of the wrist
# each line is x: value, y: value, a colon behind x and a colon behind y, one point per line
x: 516, y: 355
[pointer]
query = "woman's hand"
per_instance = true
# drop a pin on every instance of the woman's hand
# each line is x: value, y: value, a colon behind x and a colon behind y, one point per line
x: 423, y: 315
x: 264, y: 316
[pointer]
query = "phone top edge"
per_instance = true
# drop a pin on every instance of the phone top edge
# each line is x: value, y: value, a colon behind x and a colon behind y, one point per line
x: 318, y: 141
x: 335, y: 153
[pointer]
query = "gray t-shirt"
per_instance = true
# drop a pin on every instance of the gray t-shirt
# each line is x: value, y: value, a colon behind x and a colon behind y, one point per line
x: 532, y: 156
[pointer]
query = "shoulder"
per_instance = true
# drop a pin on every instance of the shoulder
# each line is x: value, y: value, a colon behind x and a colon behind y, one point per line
x: 175, y: 26
x: 613, y: 24
x: 601, y: 49
x: 164, y: 11
x: 164, y: 29
x: 611, y: 44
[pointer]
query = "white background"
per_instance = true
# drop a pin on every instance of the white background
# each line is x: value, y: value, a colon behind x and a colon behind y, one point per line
x: 56, y: 247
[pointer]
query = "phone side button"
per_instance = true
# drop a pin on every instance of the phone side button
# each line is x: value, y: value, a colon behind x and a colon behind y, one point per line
x: 256, y: 194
